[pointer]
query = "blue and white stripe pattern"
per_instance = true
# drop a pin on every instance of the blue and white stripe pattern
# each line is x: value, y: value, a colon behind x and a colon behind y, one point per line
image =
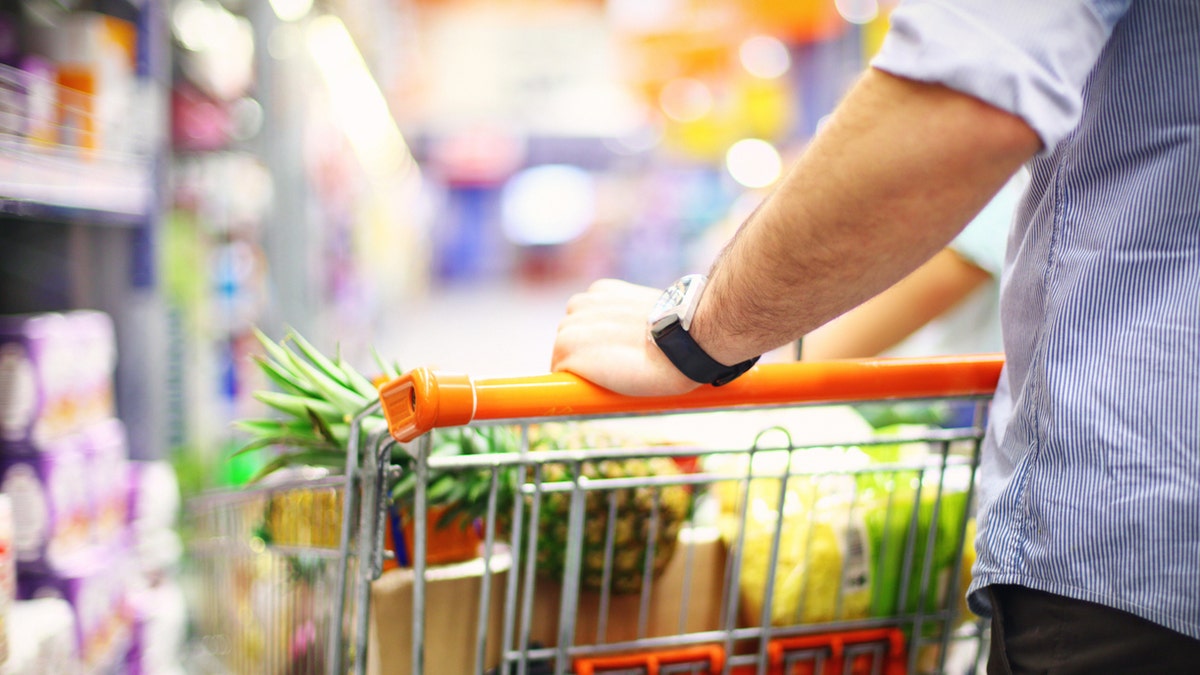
x: 1090, y: 482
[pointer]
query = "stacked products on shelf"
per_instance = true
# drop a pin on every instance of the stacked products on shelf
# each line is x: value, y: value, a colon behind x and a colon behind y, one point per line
x: 87, y: 523
x: 154, y: 596
x: 28, y: 90
x: 43, y: 641
x: 70, y: 84
x: 79, y: 117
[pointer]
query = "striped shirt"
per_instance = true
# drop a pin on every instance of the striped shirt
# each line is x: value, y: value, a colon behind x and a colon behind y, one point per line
x: 1090, y: 477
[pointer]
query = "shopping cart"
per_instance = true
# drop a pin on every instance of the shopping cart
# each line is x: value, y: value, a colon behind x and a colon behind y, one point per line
x: 266, y: 565
x: 801, y: 546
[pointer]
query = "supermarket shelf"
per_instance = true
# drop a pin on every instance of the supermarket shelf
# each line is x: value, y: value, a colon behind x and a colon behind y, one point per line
x: 56, y: 163
x: 57, y: 184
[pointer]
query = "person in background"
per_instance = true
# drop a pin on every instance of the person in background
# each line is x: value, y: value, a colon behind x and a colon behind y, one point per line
x: 1089, y: 486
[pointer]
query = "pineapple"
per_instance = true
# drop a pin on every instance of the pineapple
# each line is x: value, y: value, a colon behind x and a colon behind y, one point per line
x: 631, y: 532
x: 320, y: 396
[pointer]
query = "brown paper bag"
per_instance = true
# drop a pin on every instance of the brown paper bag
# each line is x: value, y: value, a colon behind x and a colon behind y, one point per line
x: 451, y: 618
x: 667, y: 615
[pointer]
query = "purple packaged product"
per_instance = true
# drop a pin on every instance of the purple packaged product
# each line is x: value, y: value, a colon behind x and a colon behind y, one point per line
x: 159, y: 628
x: 112, y: 628
x: 50, y: 516
x: 154, y: 499
x: 106, y: 461
x: 76, y: 590
x: 45, y: 630
x: 35, y: 373
x: 96, y: 593
x: 95, y: 350
x: 135, y: 659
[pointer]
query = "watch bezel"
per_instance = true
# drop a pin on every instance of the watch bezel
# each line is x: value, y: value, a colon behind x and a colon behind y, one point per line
x: 677, y: 303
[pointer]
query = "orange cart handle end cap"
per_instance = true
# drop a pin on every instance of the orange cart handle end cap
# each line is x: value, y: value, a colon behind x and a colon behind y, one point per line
x: 423, y: 399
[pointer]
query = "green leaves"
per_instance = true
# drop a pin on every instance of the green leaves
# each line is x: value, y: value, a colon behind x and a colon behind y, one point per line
x: 335, y: 393
x: 463, y: 491
x: 314, y: 457
x: 300, y: 407
x: 317, y: 398
x: 392, y: 370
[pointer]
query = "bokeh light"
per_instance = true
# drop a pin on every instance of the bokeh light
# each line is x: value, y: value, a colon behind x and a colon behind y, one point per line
x: 858, y: 11
x: 754, y: 163
x: 686, y: 100
x: 764, y: 56
x: 291, y: 10
x: 548, y: 204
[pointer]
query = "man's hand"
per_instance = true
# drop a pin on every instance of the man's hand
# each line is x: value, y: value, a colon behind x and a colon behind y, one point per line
x: 604, y: 339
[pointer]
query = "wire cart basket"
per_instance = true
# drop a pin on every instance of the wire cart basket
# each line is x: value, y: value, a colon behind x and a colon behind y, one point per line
x: 757, y: 528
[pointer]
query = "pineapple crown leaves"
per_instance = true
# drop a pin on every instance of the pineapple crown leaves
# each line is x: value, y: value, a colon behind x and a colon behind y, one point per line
x: 464, y: 492
x: 392, y: 370
x: 317, y: 398
x: 317, y: 457
x: 306, y: 569
x: 337, y: 393
x: 284, y: 379
x: 339, y: 373
x: 300, y: 368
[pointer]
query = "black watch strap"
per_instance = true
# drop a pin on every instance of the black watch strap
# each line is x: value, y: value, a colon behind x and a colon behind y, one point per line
x: 692, y: 361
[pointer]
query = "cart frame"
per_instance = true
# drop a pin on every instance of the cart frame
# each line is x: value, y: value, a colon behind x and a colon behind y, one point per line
x: 424, y: 400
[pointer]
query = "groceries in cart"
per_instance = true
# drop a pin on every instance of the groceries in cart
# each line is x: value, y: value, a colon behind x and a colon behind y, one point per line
x: 570, y: 539
x: 319, y: 396
x: 843, y: 517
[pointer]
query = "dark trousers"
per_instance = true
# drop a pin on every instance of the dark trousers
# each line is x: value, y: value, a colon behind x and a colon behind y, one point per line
x: 1036, y: 632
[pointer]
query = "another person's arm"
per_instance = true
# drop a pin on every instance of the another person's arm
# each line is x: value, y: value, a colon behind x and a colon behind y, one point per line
x: 889, y: 318
x: 901, y: 167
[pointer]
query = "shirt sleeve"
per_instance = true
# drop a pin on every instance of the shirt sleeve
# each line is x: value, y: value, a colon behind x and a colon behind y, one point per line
x: 1027, y: 57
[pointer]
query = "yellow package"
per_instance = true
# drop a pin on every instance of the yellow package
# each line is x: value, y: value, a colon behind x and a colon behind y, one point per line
x: 822, y: 572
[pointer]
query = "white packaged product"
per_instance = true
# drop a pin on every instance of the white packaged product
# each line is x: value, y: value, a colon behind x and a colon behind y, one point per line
x: 42, y: 637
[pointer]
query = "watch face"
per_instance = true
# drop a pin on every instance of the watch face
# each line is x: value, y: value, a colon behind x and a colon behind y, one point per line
x: 677, y: 302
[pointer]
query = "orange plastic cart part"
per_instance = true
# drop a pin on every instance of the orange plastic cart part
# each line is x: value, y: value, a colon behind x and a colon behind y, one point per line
x: 651, y: 662
x: 836, y: 646
x: 424, y: 399
x: 891, y: 639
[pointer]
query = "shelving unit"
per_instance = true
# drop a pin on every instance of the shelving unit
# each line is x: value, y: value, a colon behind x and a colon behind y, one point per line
x: 72, y: 154
x: 80, y: 213
x: 51, y: 184
x: 83, y: 144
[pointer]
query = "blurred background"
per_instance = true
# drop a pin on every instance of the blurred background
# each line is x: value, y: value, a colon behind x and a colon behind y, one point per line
x: 432, y: 179
x: 429, y: 179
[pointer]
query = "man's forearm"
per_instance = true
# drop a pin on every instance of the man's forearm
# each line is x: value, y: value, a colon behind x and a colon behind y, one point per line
x: 898, y: 171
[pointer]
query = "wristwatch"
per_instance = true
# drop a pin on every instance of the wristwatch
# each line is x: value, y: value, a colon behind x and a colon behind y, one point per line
x: 669, y: 323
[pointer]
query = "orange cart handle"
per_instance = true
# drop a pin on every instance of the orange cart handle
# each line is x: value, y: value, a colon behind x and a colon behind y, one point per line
x: 424, y: 399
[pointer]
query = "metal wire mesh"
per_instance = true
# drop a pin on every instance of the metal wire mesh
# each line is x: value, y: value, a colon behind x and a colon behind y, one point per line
x: 766, y: 556
x: 269, y: 570
x: 860, y: 547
